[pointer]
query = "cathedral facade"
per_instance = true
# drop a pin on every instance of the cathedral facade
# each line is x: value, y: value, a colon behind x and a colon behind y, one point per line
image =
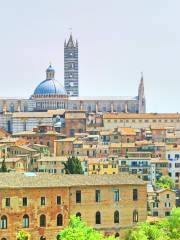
x: 50, y: 94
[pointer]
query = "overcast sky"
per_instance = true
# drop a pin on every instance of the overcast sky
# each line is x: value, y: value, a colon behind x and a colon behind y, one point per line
x: 118, y: 39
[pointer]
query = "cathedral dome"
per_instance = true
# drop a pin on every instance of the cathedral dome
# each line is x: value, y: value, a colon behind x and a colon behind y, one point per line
x: 50, y: 86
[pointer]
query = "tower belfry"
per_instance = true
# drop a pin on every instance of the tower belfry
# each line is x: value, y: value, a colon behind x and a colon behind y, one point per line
x: 71, y: 78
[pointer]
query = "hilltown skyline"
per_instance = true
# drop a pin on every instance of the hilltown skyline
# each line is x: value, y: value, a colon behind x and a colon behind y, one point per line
x: 114, y: 71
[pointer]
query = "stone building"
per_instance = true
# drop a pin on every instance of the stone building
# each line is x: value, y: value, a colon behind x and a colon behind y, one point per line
x: 42, y: 134
x: 141, y: 121
x: 42, y: 203
x: 161, y: 202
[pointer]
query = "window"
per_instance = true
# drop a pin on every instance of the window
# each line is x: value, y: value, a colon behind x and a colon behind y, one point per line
x: 71, y: 132
x: 116, y: 217
x: 25, y: 221
x: 59, y: 220
x: 4, y: 222
x: 24, y: 201
x: 135, y: 216
x: 78, y: 196
x: 98, y: 217
x: 177, y: 165
x: 135, y: 194
x: 116, y: 195
x: 98, y: 196
x: 167, y: 214
x: 113, y: 165
x: 58, y: 200
x: 78, y: 214
x: 7, y: 202
x: 167, y: 204
x: 42, y: 220
x: 155, y: 214
x: 155, y: 205
x: 167, y: 195
x: 43, y: 201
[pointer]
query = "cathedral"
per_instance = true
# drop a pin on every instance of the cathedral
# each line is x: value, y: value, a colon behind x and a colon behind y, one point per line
x: 51, y: 94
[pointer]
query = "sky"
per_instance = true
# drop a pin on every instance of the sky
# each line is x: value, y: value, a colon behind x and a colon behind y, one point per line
x: 118, y: 39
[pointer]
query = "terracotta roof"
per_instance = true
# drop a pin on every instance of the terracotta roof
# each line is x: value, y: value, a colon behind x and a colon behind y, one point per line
x: 172, y: 148
x: 27, y: 148
x: 10, y: 160
x: 128, y: 131
x: 119, y: 145
x: 157, y: 160
x: 53, y: 159
x: 141, y: 116
x: 36, y: 180
x: 161, y: 128
x: 164, y: 190
x: 32, y: 115
x: 75, y: 115
x: 8, y: 140
x: 24, y: 133
x: 70, y: 139
x: 57, y: 111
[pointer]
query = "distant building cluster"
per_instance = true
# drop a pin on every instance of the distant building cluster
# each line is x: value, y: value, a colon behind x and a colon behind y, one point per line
x: 123, y: 152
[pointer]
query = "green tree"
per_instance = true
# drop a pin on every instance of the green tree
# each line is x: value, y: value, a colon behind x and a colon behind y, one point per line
x: 165, y: 182
x: 79, y: 230
x: 22, y: 235
x: 165, y: 229
x: 73, y: 166
x: 171, y: 224
x: 3, y: 166
x: 147, y: 231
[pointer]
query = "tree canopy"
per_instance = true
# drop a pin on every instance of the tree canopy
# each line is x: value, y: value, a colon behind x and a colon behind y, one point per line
x: 165, y: 182
x: 166, y: 229
x: 22, y: 235
x: 79, y: 230
x: 3, y: 166
x: 73, y: 166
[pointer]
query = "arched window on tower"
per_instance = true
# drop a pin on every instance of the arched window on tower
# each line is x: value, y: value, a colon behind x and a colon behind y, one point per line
x: 98, y: 217
x: 116, y: 217
x: 4, y: 222
x: 59, y: 220
x: 25, y: 221
x: 135, y: 216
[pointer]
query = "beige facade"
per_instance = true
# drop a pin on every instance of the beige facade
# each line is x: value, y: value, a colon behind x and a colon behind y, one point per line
x: 43, y: 203
x: 163, y: 202
x: 139, y: 121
